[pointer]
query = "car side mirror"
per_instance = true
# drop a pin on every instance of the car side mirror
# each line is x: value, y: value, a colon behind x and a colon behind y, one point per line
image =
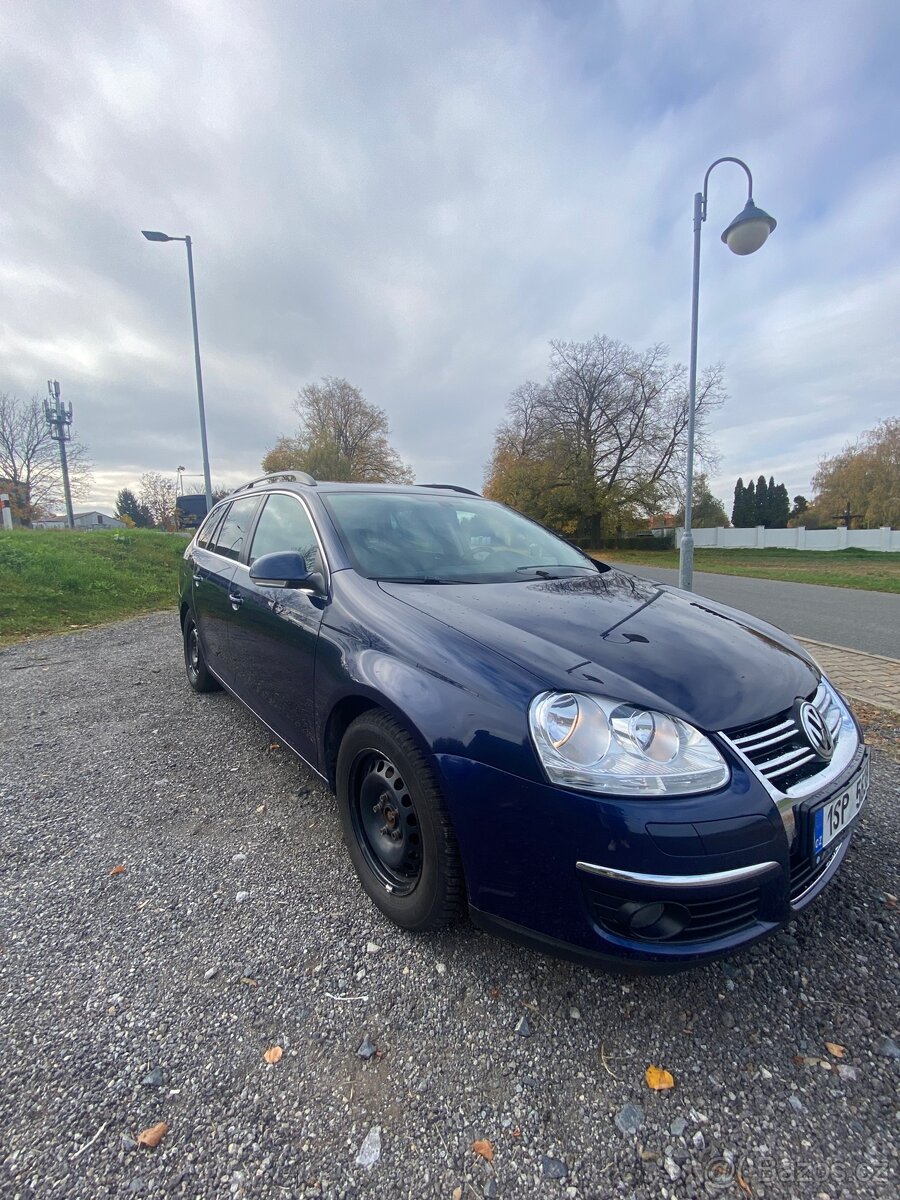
x: 286, y: 569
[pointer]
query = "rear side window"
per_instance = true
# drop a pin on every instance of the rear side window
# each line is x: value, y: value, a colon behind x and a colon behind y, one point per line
x: 231, y: 534
x: 208, y: 528
x: 285, y: 525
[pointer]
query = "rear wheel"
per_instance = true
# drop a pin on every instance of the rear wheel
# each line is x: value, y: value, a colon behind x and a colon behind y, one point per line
x: 198, y: 674
x: 395, y: 825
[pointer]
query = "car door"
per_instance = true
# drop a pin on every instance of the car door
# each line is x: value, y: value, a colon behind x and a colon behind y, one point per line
x: 275, y: 630
x: 213, y: 567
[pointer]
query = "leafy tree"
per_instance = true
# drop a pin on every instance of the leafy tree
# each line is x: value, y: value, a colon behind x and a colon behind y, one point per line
x: 342, y: 436
x: 157, y: 496
x: 743, y: 514
x: 866, y: 473
x: 29, y: 460
x: 707, y: 510
x: 737, y: 508
x: 128, y: 506
x: 602, y: 443
x: 750, y: 505
x: 779, y: 506
x: 762, y: 501
x: 800, y: 505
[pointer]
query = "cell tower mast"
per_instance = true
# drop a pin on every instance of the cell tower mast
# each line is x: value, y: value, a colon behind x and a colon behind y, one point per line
x: 59, y: 418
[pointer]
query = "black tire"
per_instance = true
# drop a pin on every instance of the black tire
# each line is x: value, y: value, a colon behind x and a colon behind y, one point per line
x: 395, y: 825
x: 198, y: 674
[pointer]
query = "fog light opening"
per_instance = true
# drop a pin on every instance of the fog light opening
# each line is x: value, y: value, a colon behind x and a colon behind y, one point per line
x: 655, y: 921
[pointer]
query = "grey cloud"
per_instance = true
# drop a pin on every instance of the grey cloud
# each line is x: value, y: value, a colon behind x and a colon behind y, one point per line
x: 420, y: 197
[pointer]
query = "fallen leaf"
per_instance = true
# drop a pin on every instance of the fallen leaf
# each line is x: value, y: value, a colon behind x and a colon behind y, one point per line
x: 516, y: 1133
x: 248, y: 982
x: 275, y: 746
x: 118, y: 870
x: 889, y: 900
x: 494, y: 993
x: 744, y: 1185
x: 273, y: 1054
x: 659, y: 1079
x: 484, y: 1148
x: 456, y: 1194
x: 153, y: 1136
x: 648, y: 1155
x: 835, y: 1049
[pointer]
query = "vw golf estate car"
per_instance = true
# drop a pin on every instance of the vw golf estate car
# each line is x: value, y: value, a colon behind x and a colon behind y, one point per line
x: 586, y: 761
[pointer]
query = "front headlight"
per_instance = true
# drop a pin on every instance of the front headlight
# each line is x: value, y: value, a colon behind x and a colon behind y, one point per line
x: 607, y: 746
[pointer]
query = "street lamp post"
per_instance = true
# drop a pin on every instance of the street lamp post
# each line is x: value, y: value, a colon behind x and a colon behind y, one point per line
x: 744, y: 235
x: 154, y: 236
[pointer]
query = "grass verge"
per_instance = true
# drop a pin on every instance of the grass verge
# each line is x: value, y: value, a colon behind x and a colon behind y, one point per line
x: 55, y: 580
x: 867, y: 570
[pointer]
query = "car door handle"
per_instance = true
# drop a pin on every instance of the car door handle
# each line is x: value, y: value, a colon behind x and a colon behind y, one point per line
x: 236, y: 601
x: 197, y: 577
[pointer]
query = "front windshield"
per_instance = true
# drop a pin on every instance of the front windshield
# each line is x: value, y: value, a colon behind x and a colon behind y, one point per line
x: 406, y: 537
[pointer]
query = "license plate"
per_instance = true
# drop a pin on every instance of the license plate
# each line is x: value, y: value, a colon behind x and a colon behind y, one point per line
x: 833, y: 818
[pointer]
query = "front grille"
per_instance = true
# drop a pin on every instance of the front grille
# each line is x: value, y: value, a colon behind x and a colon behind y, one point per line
x: 805, y: 872
x: 778, y: 747
x: 707, y: 919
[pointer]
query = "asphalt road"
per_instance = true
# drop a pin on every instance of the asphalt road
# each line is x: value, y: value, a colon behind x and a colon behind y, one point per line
x: 867, y: 621
x: 150, y: 994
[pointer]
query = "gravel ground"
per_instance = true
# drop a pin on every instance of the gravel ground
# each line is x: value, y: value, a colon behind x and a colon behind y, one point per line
x: 150, y: 995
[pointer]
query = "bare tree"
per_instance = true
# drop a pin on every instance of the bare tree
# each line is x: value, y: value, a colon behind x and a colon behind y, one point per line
x: 157, y: 495
x: 608, y: 428
x: 29, y: 459
x: 341, y: 436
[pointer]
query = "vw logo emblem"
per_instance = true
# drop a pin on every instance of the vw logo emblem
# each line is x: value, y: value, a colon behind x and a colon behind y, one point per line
x: 817, y: 732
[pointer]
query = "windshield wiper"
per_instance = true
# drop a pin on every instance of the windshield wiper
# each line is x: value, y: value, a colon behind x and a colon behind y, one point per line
x: 541, y: 568
x: 413, y: 579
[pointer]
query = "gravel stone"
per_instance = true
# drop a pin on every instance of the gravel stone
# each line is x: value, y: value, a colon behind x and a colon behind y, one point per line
x: 97, y: 718
x: 678, y: 1126
x: 887, y: 1048
x: 367, y: 1049
x: 154, y: 1078
x: 629, y: 1118
x: 553, y: 1168
x: 523, y: 1029
x: 370, y: 1150
x: 241, y: 897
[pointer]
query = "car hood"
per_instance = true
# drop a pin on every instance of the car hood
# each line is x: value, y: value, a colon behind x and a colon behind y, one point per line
x: 629, y: 638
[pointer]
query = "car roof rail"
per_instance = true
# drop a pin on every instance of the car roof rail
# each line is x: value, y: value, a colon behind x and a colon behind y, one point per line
x: 291, y: 476
x: 450, y: 487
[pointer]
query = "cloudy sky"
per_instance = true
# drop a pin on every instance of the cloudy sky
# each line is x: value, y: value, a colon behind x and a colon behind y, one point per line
x: 418, y: 196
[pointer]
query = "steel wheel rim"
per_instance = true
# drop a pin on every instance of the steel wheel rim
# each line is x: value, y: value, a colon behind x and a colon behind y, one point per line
x: 193, y: 651
x: 385, y: 822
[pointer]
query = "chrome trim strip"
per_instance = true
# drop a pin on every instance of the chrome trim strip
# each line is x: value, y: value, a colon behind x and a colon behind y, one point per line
x: 685, y: 881
x: 805, y: 756
x: 749, y: 739
x: 754, y: 747
x: 788, y: 757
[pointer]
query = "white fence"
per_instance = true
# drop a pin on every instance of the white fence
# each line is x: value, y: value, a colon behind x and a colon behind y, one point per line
x: 760, y: 538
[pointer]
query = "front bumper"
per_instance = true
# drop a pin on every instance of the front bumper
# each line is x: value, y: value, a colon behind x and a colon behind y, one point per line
x: 650, y: 885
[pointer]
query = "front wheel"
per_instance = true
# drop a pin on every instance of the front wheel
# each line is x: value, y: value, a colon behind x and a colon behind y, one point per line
x: 397, y: 831
x: 198, y: 674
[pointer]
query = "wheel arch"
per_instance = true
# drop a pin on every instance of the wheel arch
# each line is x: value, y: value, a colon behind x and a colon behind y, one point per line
x: 345, y: 711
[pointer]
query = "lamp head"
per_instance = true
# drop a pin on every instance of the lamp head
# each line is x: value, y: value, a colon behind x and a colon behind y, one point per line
x: 153, y: 235
x: 748, y: 230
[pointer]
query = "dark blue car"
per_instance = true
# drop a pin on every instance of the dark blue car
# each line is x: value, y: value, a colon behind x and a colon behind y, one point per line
x: 586, y: 761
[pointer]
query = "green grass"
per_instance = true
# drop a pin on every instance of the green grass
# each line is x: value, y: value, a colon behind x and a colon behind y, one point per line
x: 867, y: 570
x: 53, y: 580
